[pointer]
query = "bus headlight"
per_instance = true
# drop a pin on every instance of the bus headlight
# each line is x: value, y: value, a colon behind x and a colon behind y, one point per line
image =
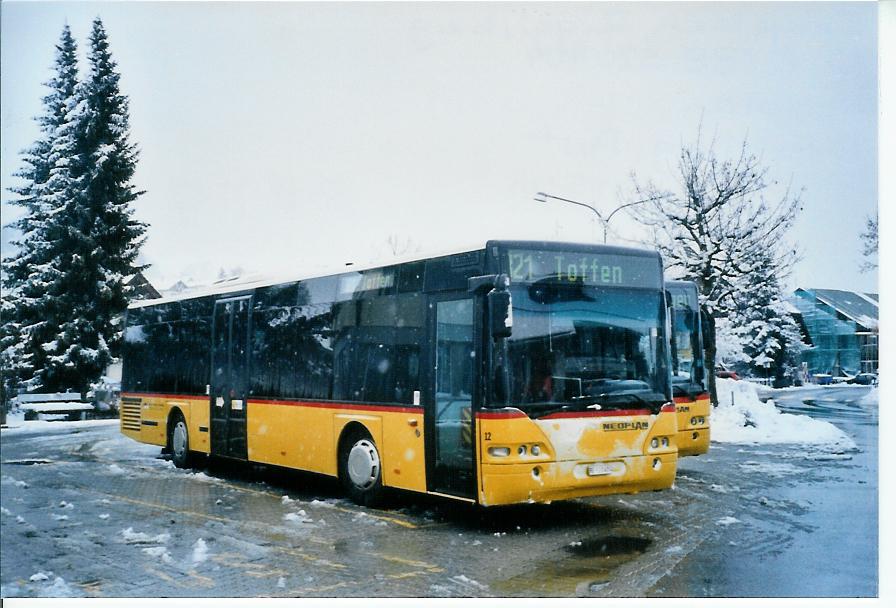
x: 521, y: 450
x: 654, y: 443
x: 536, y: 450
x: 665, y: 442
x: 499, y: 451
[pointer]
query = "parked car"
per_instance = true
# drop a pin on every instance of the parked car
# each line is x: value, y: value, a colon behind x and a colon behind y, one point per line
x: 727, y: 373
x: 823, y: 378
x: 863, y: 378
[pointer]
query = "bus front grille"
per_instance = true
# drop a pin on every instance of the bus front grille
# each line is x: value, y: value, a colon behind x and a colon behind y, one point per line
x: 130, y: 414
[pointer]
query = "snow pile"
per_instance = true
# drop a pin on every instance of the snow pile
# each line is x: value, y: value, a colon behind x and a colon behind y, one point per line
x: 13, y: 481
x: 59, y: 588
x: 133, y: 538
x: 300, y: 518
x: 200, y: 552
x: 330, y: 502
x: 871, y: 397
x: 159, y: 552
x: 18, y: 426
x: 749, y: 420
x: 467, y: 581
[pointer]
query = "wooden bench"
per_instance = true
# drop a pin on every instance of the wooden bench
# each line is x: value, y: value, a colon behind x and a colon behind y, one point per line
x: 69, y: 404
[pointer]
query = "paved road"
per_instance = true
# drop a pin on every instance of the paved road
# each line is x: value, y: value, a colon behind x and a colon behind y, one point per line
x: 100, y: 515
x: 808, y: 520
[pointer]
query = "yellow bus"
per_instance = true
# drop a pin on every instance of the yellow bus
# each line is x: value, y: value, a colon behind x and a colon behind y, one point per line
x: 688, y: 370
x: 517, y: 372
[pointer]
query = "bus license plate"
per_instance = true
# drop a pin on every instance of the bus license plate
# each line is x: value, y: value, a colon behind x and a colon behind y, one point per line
x: 600, y: 468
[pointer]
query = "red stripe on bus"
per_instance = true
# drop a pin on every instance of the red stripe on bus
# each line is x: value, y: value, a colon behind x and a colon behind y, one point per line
x: 668, y: 407
x: 595, y: 414
x: 691, y: 399
x: 335, y: 406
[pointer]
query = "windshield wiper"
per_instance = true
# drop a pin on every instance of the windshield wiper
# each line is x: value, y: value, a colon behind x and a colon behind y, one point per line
x: 554, y: 410
x: 653, y: 404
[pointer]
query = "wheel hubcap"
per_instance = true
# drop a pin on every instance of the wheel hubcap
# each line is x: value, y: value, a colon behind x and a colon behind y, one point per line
x: 363, y: 464
x: 179, y: 441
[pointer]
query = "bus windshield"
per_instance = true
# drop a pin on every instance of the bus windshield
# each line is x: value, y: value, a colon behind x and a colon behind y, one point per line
x: 686, y: 348
x: 685, y: 345
x: 577, y: 347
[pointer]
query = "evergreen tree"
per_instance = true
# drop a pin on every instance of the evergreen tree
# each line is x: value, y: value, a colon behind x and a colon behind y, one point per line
x: 102, y: 238
x: 771, y: 336
x: 71, y: 303
x: 28, y: 271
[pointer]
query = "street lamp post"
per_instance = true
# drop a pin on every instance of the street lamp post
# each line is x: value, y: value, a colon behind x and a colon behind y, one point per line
x: 543, y: 197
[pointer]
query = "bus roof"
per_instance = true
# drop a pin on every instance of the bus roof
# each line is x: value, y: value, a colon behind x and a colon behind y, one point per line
x: 238, y: 284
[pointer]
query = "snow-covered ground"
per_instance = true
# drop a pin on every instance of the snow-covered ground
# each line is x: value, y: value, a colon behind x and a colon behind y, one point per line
x: 16, y: 423
x: 872, y: 398
x: 742, y: 417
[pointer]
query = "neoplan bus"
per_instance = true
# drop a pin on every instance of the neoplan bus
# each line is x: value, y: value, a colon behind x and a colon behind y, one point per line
x: 688, y: 370
x: 517, y: 372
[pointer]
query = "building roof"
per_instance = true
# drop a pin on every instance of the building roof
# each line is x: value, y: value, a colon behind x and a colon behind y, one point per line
x: 858, y: 307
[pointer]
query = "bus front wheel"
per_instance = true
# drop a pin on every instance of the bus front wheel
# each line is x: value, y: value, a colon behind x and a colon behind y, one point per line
x: 360, y: 469
x: 179, y: 440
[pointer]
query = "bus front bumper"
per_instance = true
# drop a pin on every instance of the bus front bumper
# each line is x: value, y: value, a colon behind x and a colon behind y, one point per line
x: 546, y: 481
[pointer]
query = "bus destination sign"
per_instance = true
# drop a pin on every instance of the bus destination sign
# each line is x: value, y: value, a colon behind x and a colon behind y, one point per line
x: 594, y: 269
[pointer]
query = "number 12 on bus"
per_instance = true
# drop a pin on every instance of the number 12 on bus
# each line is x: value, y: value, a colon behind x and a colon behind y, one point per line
x: 517, y: 372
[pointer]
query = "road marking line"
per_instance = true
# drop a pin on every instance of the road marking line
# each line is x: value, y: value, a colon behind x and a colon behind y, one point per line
x: 318, y: 589
x: 407, y: 562
x: 204, y: 581
x: 405, y: 574
x: 163, y: 576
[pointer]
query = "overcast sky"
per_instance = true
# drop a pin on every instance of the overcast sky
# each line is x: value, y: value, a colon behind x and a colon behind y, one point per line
x: 285, y: 136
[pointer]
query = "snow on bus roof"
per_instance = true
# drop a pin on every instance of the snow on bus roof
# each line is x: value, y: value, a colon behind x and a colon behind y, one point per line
x: 256, y: 280
x: 253, y: 281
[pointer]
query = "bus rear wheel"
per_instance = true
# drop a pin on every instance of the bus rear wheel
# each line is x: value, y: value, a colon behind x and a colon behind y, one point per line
x: 179, y: 440
x: 360, y: 469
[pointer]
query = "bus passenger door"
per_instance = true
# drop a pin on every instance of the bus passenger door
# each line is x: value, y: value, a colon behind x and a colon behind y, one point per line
x: 448, y: 413
x: 229, y: 377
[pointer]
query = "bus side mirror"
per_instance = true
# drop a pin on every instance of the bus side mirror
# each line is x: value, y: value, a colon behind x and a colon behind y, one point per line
x: 500, y: 309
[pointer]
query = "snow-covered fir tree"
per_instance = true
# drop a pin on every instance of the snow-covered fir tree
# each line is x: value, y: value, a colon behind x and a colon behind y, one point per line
x: 28, y: 272
x: 76, y: 295
x: 770, y: 335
